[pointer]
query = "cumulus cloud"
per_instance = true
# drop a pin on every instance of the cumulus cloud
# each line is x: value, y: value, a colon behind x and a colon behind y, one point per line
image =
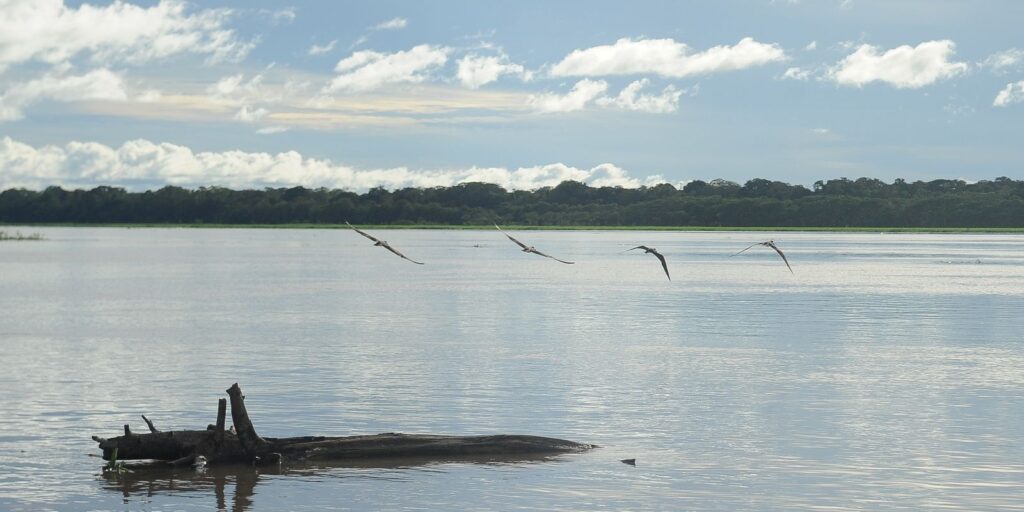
x: 320, y: 50
x: 392, y: 24
x: 475, y: 70
x: 101, y: 84
x: 582, y: 93
x: 141, y: 164
x: 1001, y: 62
x: 665, y: 57
x: 631, y: 99
x: 367, y: 70
x: 50, y: 32
x: 902, y: 67
x: 1012, y: 93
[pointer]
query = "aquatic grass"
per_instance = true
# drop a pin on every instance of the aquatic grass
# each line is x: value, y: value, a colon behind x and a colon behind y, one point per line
x: 115, y: 466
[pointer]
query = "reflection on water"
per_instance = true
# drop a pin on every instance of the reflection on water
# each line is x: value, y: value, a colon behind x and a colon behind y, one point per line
x: 885, y: 373
x: 232, y: 487
x: 238, y: 482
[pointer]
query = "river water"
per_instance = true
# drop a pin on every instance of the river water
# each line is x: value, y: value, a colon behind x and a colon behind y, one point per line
x: 885, y: 373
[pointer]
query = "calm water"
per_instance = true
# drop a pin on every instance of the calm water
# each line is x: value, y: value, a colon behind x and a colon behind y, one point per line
x: 887, y: 373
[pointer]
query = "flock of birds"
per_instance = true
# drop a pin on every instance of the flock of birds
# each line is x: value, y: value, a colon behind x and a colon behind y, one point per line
x: 533, y: 250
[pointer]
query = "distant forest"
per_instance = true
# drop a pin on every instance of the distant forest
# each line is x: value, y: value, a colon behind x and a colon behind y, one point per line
x: 840, y: 202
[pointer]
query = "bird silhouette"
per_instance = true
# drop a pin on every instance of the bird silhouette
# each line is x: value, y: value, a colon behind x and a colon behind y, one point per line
x: 530, y: 248
x: 652, y: 250
x: 771, y: 244
x: 383, y: 244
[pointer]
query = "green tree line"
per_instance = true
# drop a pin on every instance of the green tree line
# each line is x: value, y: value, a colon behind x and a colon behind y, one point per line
x: 842, y: 202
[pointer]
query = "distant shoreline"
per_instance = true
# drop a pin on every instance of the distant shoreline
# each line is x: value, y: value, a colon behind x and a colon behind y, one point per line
x: 533, y: 228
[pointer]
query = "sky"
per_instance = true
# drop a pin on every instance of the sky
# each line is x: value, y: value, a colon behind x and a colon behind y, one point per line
x: 525, y: 94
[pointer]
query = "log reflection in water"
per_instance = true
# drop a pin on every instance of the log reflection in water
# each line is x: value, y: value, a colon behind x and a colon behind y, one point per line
x: 239, y: 481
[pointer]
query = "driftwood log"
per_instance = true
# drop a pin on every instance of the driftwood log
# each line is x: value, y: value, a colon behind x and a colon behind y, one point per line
x: 241, y: 444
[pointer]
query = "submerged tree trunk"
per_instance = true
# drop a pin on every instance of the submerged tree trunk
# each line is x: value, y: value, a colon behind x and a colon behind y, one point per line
x: 242, y: 444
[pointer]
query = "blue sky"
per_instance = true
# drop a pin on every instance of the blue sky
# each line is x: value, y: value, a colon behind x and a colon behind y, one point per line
x: 523, y: 94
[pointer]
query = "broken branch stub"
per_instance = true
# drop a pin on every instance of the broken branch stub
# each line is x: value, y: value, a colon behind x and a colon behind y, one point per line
x: 251, y: 441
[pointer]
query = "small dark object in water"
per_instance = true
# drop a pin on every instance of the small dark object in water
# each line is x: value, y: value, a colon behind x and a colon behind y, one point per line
x: 631, y: 462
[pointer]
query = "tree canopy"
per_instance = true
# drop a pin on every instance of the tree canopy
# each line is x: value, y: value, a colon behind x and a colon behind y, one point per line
x: 863, y: 202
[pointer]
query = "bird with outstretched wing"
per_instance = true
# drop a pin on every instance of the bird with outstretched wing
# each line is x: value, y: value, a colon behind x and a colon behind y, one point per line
x: 531, y: 249
x: 652, y: 250
x: 382, y: 243
x: 770, y: 244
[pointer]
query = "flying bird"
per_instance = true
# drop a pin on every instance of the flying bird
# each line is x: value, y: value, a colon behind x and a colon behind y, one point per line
x: 652, y: 250
x: 771, y: 244
x: 530, y: 248
x: 383, y: 244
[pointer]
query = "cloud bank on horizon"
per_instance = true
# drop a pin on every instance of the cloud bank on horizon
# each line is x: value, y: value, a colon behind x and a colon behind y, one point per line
x: 233, y: 79
x: 142, y: 164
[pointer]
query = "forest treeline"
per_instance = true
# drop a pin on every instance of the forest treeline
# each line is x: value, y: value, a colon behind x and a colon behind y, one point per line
x: 843, y: 202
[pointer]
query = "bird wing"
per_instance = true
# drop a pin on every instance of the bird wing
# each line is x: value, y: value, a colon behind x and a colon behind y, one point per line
x: 783, y: 256
x: 535, y: 251
x: 663, y: 264
x: 361, y: 233
x: 392, y: 249
x: 644, y: 247
x: 520, y: 244
x: 747, y: 249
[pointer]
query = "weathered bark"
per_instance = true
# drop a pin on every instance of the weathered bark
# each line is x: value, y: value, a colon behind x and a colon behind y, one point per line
x: 246, y: 446
x: 251, y: 441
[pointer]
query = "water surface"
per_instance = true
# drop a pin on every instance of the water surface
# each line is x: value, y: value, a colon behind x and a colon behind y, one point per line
x: 885, y: 373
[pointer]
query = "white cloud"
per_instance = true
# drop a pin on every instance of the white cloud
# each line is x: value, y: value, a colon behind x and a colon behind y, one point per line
x: 141, y: 164
x: 236, y: 90
x: 320, y: 50
x: 270, y: 130
x: 251, y: 115
x: 796, y: 73
x: 1012, y: 93
x: 1000, y: 62
x: 367, y: 70
x: 664, y: 57
x: 149, y: 96
x: 100, y: 84
x: 582, y: 93
x: 281, y: 15
x: 631, y: 99
x: 902, y: 67
x: 50, y: 32
x: 359, y: 41
x: 475, y: 71
x: 392, y: 24
x: 811, y: 46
